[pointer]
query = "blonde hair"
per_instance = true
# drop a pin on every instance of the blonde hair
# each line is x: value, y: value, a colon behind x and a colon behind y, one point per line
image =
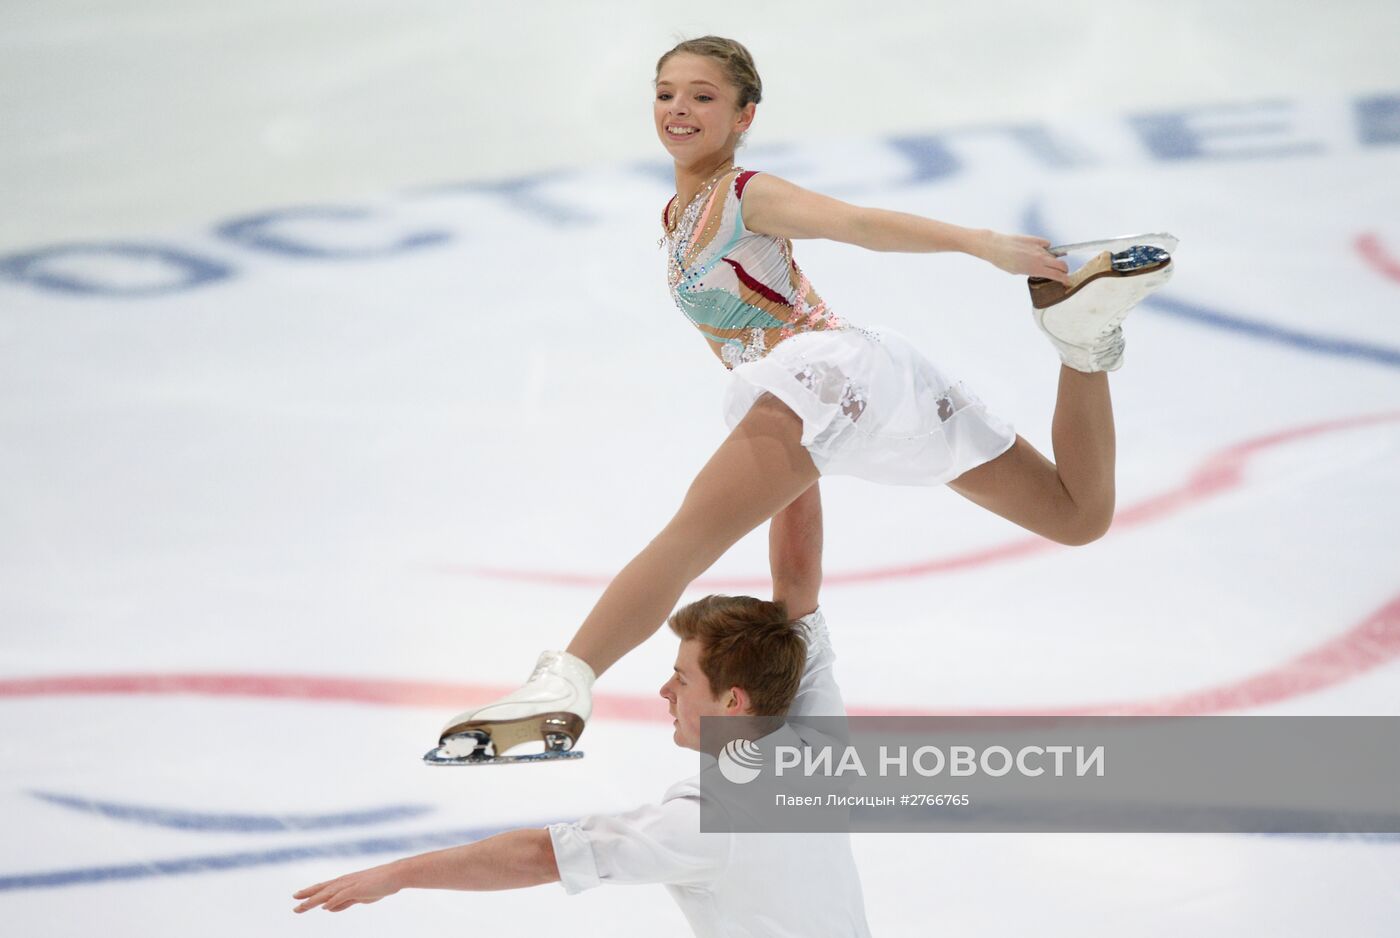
x: 732, y: 56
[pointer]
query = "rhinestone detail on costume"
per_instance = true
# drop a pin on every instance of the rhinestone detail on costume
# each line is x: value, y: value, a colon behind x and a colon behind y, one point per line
x: 740, y: 288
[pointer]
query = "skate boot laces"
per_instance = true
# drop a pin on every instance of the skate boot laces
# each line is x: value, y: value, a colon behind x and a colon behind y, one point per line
x: 544, y: 665
x: 1108, y: 350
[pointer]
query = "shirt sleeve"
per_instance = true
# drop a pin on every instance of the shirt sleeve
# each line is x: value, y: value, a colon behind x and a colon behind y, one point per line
x: 658, y: 843
x: 818, y: 695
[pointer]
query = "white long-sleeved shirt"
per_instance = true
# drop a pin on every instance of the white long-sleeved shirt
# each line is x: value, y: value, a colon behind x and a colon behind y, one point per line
x: 729, y: 885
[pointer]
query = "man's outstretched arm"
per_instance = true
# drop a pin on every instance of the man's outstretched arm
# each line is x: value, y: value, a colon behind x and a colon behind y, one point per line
x: 511, y: 860
x: 795, y: 553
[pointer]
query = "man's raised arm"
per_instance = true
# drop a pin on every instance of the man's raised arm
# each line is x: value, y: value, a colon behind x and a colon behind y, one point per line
x: 795, y: 553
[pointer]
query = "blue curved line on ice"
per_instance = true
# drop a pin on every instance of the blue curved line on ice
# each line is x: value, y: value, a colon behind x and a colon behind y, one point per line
x: 218, y: 863
x: 241, y: 823
x: 1034, y: 222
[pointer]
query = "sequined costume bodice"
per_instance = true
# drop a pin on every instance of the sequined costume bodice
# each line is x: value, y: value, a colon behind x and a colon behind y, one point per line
x: 741, y: 289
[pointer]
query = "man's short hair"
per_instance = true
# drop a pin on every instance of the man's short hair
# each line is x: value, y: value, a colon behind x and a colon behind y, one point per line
x: 747, y: 643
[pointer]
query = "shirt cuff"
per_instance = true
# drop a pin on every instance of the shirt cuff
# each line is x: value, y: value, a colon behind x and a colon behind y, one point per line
x: 817, y: 635
x: 573, y: 855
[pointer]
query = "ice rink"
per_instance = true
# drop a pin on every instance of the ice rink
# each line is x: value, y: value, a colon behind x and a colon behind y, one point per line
x: 338, y: 374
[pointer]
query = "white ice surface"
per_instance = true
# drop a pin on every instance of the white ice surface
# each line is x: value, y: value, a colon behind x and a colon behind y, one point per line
x: 296, y: 470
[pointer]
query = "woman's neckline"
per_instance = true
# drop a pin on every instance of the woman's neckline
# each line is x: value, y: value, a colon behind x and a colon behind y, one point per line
x: 708, y: 186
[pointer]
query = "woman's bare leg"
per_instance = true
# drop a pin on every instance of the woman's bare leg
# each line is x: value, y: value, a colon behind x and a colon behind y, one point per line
x: 1071, y: 499
x: 756, y: 472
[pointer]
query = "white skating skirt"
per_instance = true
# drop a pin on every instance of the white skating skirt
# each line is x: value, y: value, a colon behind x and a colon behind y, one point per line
x: 872, y: 407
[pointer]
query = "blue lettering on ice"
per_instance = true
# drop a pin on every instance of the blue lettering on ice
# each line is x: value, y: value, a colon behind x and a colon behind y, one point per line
x: 929, y: 155
x: 1232, y: 131
x: 177, y: 271
x: 242, y: 823
x: 1033, y: 222
x: 1378, y: 119
x: 659, y: 170
x: 1040, y: 143
x: 932, y: 157
x: 1194, y: 134
x: 780, y: 159
x: 259, y: 232
x: 520, y: 194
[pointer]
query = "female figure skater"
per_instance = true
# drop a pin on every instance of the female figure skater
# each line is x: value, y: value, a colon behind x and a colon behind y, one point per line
x: 812, y: 395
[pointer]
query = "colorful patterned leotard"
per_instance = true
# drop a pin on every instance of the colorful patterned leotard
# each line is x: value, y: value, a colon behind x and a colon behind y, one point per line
x: 741, y: 289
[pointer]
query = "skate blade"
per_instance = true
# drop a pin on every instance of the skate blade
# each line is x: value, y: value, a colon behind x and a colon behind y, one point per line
x: 1147, y: 269
x: 558, y: 731
x: 1159, y: 239
x: 440, y: 756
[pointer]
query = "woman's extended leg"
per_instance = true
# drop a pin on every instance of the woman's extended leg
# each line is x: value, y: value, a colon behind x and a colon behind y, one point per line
x: 755, y: 473
x: 1071, y: 499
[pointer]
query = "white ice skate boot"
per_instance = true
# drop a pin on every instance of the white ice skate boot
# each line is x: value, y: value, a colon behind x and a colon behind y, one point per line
x: 1082, y: 320
x: 551, y: 708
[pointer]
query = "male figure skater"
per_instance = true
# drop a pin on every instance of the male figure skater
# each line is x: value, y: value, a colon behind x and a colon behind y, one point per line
x: 738, y: 657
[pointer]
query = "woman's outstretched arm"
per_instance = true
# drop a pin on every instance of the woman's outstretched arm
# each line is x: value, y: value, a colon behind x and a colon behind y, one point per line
x: 776, y: 207
x: 511, y: 860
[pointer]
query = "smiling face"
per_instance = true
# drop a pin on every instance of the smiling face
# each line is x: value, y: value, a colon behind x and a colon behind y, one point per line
x: 696, y: 111
x: 690, y: 698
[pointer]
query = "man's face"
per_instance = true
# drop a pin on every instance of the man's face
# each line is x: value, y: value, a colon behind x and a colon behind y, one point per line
x: 690, y: 698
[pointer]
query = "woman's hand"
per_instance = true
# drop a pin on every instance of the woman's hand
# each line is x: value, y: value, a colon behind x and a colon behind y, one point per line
x: 1021, y: 254
x: 336, y: 895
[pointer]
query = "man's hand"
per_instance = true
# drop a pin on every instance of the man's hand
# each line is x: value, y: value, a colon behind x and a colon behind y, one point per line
x: 336, y: 895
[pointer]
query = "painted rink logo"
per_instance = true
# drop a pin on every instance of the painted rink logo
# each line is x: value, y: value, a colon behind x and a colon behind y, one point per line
x: 371, y: 233
x: 740, y: 761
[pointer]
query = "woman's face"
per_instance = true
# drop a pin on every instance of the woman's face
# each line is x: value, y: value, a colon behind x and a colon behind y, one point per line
x: 696, y: 110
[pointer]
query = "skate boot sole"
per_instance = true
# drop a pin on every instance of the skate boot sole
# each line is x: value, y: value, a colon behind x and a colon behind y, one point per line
x: 1150, y: 274
x: 559, y: 731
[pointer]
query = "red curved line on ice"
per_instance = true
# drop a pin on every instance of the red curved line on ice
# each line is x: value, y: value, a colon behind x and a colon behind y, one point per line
x: 1218, y: 473
x: 1369, y: 247
x: 1371, y: 643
